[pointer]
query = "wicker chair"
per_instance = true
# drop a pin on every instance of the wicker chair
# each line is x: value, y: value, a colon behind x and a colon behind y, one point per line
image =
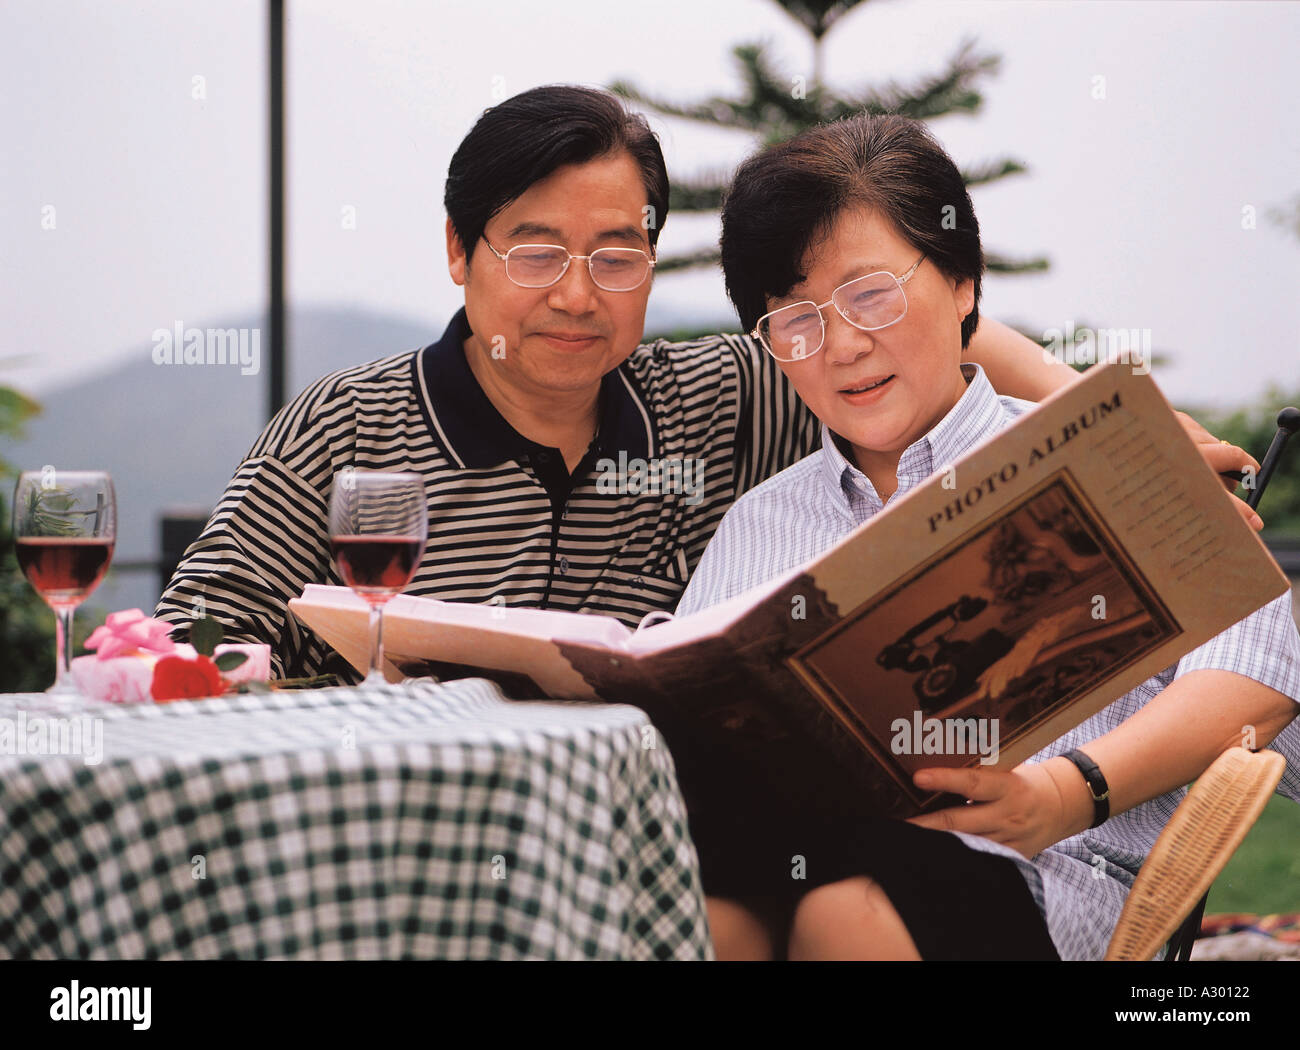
x: 1194, y: 847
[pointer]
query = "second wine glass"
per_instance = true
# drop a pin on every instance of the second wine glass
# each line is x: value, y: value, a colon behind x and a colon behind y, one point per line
x: 379, y: 522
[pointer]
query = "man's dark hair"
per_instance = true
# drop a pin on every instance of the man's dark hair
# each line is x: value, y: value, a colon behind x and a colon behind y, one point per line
x: 529, y: 136
x: 787, y: 197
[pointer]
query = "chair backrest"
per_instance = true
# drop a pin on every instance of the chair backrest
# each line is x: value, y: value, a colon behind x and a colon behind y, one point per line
x: 1204, y: 832
x: 1179, y: 948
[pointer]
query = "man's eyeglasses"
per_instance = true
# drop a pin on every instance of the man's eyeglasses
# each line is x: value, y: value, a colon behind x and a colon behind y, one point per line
x: 541, y: 265
x: 797, y: 331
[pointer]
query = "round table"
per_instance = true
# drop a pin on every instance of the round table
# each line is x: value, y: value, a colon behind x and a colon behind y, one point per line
x: 421, y: 820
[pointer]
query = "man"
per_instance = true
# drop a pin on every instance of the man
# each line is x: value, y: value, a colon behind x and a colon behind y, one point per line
x: 566, y: 466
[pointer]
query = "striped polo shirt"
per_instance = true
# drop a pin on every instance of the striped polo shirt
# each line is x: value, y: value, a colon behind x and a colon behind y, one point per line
x: 683, y: 430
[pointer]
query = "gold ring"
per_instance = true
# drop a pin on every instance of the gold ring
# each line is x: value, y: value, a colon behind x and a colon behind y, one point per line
x: 1224, y: 441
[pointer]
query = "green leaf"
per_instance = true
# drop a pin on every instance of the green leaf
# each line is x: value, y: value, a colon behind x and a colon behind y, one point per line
x: 688, y: 261
x: 59, y: 501
x: 698, y: 193
x: 315, y: 682
x: 15, y: 409
x: 46, y: 513
x: 817, y: 16
x: 995, y: 262
x: 229, y: 661
x: 992, y: 171
x: 205, y: 635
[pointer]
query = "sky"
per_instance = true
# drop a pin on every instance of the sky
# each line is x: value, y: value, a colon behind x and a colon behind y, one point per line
x: 132, y: 177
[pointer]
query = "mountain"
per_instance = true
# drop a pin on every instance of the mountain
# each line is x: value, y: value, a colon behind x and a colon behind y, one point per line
x: 172, y: 434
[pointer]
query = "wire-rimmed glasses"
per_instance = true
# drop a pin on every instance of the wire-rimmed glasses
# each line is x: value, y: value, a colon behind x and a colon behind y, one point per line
x: 872, y: 302
x: 542, y: 265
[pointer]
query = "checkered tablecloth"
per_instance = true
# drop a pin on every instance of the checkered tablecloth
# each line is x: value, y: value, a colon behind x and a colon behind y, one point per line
x: 412, y: 821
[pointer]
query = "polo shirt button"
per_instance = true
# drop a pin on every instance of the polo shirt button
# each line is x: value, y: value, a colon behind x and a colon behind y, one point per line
x: 543, y: 457
x: 564, y: 565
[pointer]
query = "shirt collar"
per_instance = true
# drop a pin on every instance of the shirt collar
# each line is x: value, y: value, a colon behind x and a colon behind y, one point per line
x: 474, y: 434
x: 971, y: 419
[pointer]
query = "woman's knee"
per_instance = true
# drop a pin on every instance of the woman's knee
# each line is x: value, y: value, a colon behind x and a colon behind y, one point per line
x: 738, y: 934
x: 850, y: 919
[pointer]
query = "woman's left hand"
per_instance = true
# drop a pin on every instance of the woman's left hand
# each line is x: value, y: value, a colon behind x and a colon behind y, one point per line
x: 1026, y: 808
x: 1221, y: 457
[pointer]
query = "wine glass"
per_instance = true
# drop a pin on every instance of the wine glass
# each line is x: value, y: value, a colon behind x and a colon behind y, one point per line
x: 65, y: 525
x: 378, y: 524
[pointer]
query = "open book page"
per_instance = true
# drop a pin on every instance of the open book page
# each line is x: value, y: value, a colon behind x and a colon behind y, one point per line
x: 491, y: 636
x: 420, y: 630
x: 517, y: 621
x: 706, y: 623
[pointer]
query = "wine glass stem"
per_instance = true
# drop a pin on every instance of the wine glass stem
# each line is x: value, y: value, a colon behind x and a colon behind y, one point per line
x: 63, y: 646
x: 376, y: 675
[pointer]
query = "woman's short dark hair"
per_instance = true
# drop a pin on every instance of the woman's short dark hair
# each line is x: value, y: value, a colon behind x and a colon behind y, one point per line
x: 788, y: 196
x: 529, y: 136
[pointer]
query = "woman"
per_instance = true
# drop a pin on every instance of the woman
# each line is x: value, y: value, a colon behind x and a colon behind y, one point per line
x: 870, y: 219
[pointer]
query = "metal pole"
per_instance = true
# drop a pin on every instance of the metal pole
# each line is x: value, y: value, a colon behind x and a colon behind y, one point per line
x: 277, y: 336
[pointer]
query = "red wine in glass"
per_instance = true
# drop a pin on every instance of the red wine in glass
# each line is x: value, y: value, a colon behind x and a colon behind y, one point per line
x: 378, y: 524
x: 64, y: 569
x: 377, y: 566
x: 65, y: 525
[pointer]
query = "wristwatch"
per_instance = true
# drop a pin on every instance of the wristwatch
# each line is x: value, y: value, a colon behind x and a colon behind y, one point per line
x: 1096, y: 785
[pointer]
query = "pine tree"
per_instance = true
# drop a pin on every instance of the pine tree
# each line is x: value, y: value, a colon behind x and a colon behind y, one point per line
x: 775, y: 107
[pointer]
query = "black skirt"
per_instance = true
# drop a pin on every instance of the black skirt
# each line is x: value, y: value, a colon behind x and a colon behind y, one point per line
x: 956, y: 902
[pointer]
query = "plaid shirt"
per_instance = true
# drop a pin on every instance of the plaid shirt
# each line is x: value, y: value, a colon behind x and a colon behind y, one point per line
x: 1080, y: 883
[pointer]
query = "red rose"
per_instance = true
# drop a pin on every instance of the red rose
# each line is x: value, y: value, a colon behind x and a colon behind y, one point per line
x: 179, y: 678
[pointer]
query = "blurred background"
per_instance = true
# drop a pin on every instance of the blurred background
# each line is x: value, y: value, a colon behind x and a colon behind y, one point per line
x: 1135, y: 166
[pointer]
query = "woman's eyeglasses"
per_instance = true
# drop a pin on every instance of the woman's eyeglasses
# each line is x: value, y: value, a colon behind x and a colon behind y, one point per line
x: 541, y: 265
x: 798, y: 331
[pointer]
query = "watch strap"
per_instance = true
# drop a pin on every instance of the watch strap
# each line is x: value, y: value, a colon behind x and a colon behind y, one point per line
x: 1097, y: 786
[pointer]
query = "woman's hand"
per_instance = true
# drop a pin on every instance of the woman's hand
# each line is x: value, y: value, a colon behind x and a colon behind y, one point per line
x: 1028, y: 808
x: 1223, y: 457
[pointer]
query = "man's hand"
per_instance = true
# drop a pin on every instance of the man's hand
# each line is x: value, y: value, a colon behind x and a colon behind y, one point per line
x: 1222, y: 457
x: 1028, y: 808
